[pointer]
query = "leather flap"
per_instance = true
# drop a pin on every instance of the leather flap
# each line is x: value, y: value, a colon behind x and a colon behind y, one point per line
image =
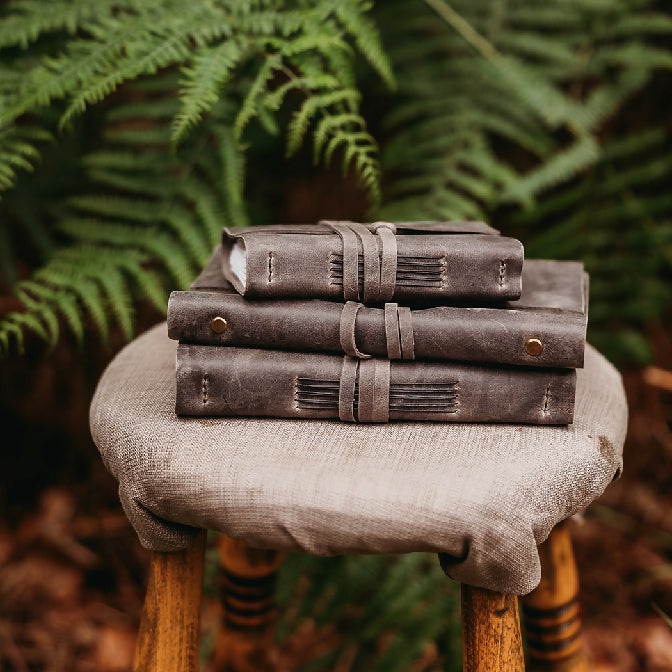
x: 445, y: 227
x: 323, y: 228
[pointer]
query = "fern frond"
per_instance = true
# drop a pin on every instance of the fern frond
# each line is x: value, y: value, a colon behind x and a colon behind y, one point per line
x: 645, y: 56
x: 119, y: 48
x: 638, y: 25
x: 118, y: 297
x: 209, y: 208
x: 274, y: 99
x: 162, y: 52
x: 312, y: 106
x: 180, y: 220
x: 210, y: 70
x: 332, y: 123
x: 367, y: 39
x: 562, y: 167
x: 54, y: 300
x: 19, y: 151
x: 13, y: 326
x: 233, y: 163
x: 42, y: 312
x: 27, y: 20
x: 617, y: 220
x: 248, y: 109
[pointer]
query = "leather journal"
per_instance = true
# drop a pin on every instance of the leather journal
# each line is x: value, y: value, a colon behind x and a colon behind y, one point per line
x: 232, y: 381
x: 439, y: 262
x: 545, y: 328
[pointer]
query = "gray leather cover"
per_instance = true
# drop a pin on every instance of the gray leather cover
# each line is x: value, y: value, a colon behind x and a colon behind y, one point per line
x: 552, y: 309
x: 214, y: 381
x: 375, y: 263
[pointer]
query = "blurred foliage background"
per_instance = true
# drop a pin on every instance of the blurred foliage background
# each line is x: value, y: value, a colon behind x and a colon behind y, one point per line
x: 131, y: 131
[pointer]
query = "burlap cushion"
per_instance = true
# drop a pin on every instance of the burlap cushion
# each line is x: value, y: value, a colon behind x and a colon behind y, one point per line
x: 484, y: 494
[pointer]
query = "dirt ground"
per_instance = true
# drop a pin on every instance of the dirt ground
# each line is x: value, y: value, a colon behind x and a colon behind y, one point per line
x: 72, y: 573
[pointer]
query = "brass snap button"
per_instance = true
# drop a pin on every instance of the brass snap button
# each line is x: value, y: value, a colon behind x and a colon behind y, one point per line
x: 219, y: 325
x: 533, y: 346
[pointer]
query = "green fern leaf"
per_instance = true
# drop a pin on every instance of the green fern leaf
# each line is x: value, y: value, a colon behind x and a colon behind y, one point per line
x: 248, y: 109
x: 564, y: 165
x: 331, y: 123
x: 117, y: 293
x: 367, y: 39
x: 637, y: 25
x: 18, y: 151
x: 14, y: 325
x: 208, y: 207
x: 299, y: 125
x: 211, y: 69
x: 27, y: 20
x: 233, y: 164
x: 274, y: 99
x: 42, y: 312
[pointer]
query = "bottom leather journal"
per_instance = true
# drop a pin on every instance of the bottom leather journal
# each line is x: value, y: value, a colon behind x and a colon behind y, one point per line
x: 216, y: 381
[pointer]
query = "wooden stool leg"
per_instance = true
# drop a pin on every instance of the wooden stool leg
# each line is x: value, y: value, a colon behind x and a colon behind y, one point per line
x: 245, y: 640
x: 169, y: 634
x: 491, y: 639
x: 552, y: 612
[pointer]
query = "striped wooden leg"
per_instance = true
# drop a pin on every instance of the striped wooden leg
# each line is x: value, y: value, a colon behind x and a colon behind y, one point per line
x: 170, y: 627
x: 552, y: 612
x: 245, y: 639
x: 491, y: 639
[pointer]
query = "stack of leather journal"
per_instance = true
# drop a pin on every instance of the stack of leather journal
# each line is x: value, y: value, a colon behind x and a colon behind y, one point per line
x: 432, y: 321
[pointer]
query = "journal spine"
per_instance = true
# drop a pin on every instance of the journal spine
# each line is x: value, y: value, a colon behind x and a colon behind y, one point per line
x: 232, y: 381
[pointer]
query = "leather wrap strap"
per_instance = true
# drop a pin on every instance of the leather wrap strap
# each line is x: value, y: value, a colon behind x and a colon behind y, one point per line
x: 405, y: 318
x: 374, y: 390
x: 350, y: 259
x: 378, y: 244
x: 392, y: 331
x: 346, y: 389
x: 347, y: 330
x: 399, y: 332
x: 388, y: 259
x: 371, y: 265
x: 370, y: 378
x: 399, y: 338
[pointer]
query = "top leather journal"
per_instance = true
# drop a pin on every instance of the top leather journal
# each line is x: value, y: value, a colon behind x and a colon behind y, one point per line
x: 413, y: 262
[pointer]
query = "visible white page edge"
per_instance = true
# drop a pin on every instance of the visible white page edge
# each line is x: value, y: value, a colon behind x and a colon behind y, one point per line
x: 238, y: 262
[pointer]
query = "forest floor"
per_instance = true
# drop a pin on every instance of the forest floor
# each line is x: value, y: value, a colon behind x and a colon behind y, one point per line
x: 73, y: 574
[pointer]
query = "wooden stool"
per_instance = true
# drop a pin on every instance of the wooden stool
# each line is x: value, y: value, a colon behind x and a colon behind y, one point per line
x: 169, y: 631
x: 481, y: 496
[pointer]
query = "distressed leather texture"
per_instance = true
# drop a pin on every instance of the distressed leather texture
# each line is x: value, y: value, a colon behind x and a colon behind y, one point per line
x: 231, y: 381
x: 486, y: 495
x: 552, y: 308
x: 375, y: 263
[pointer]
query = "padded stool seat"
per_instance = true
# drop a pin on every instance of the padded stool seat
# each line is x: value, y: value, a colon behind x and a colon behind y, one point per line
x: 485, y: 495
